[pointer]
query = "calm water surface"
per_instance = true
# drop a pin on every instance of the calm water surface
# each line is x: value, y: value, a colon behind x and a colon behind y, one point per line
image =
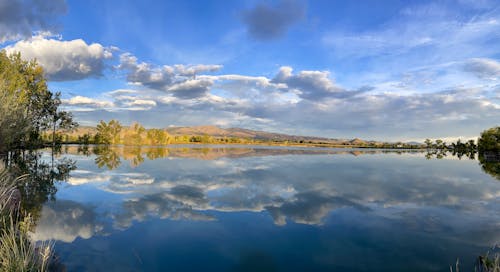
x: 269, y: 209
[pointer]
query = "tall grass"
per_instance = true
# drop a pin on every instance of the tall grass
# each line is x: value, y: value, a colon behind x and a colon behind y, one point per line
x: 8, y: 193
x: 17, y: 251
x: 483, y: 264
x: 488, y: 264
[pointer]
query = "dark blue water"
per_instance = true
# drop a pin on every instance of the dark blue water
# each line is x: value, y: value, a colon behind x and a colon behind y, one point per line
x: 270, y: 209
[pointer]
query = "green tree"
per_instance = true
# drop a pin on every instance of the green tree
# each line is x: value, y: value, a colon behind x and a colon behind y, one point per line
x: 489, y: 140
x: 134, y: 135
x: 439, y: 143
x: 157, y: 137
x: 489, y: 151
x: 108, y: 133
x: 428, y: 143
x: 61, y: 120
x: 28, y: 107
x: 103, y: 135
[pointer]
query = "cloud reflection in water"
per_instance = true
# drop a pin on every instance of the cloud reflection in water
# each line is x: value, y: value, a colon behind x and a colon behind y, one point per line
x: 301, y: 186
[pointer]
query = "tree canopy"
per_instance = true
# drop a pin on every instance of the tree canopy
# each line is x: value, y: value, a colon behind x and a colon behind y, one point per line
x: 28, y: 107
x: 489, y: 140
x: 489, y: 151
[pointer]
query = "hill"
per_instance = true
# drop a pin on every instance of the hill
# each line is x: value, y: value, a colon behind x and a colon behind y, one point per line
x: 215, y: 131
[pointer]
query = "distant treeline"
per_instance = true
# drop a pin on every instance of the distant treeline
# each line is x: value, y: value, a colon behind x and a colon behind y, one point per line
x: 114, y: 133
x: 457, y: 146
x: 488, y: 141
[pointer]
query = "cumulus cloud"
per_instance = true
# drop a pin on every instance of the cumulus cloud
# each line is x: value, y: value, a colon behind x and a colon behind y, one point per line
x: 288, y: 101
x: 178, y: 80
x: 191, y: 88
x: 185, y: 82
x: 146, y: 74
x: 20, y: 18
x: 64, y: 60
x: 266, y: 22
x: 312, y: 85
x: 364, y: 113
x: 484, y: 68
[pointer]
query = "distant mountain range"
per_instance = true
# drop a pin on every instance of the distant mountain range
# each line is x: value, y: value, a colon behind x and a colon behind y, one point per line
x: 215, y: 131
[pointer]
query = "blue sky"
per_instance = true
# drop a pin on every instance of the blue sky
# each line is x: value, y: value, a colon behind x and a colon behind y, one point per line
x: 386, y: 70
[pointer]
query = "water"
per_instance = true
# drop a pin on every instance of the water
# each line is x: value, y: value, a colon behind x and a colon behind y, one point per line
x: 269, y: 209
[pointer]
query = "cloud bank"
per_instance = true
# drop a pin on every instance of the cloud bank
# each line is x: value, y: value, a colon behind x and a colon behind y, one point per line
x: 302, y: 102
x: 19, y: 18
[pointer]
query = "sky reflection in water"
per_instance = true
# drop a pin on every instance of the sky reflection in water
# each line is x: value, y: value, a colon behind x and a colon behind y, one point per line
x: 244, y: 209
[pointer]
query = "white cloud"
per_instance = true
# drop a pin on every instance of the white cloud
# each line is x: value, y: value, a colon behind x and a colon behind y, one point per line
x: 312, y: 85
x: 64, y: 60
x: 193, y: 70
x: 191, y: 88
x: 179, y: 80
x: 292, y: 102
x: 122, y: 100
x: 311, y: 103
x: 88, y: 102
x: 141, y: 102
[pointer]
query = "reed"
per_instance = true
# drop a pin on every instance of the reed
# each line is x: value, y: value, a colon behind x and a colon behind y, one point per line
x: 17, y: 251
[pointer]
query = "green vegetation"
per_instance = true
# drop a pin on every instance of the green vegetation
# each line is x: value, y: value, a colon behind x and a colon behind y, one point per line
x: 488, y: 264
x: 489, y: 140
x: 489, y: 151
x: 459, y: 146
x: 28, y: 108
x: 17, y: 251
x: 28, y: 111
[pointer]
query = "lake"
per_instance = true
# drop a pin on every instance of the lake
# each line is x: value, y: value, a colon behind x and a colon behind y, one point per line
x: 244, y: 208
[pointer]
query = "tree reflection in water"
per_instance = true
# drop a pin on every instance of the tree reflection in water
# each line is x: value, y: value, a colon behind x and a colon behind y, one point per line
x: 490, y: 163
x: 42, y: 174
x: 106, y: 157
x: 110, y: 157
